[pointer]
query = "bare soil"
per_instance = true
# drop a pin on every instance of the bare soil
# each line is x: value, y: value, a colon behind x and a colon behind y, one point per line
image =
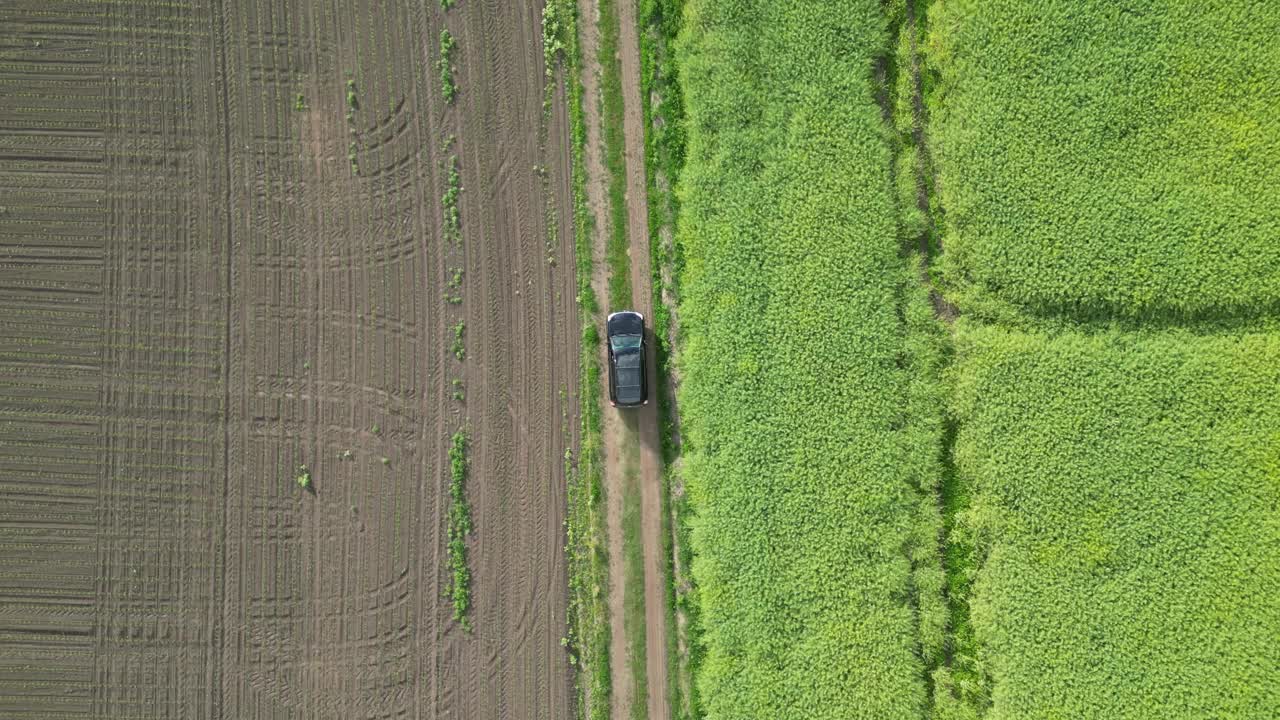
x: 202, y: 293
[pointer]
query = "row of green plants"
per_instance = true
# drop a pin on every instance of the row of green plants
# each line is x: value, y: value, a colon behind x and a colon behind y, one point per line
x: 810, y: 403
x: 1104, y: 161
x: 458, y: 530
x: 459, y: 516
x: 1122, y: 491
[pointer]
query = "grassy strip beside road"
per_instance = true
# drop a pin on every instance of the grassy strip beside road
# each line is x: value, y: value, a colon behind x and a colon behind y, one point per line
x: 588, y: 631
x: 814, y: 533
x: 1102, y: 159
x: 618, y: 243
x: 1123, y: 509
x: 632, y: 567
x: 660, y: 22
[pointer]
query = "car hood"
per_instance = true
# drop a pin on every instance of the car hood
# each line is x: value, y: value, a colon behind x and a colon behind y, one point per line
x: 626, y: 323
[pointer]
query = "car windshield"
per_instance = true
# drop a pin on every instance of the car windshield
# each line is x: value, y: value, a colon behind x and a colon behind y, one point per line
x: 624, y: 342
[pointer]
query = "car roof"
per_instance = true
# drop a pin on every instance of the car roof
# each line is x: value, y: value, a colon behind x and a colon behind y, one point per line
x: 628, y: 381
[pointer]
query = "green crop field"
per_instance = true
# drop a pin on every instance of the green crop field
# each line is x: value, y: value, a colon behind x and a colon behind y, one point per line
x: 806, y: 459
x: 1052, y: 492
x: 1110, y: 158
x: 1123, y: 494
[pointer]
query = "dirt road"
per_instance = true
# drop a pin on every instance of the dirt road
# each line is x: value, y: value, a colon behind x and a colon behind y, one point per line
x: 222, y: 259
x: 632, y: 443
x: 655, y: 596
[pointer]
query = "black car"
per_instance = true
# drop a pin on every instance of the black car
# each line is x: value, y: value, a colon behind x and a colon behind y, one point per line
x: 627, y: 384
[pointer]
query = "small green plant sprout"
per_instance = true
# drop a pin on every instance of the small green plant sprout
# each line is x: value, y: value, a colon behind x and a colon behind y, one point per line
x: 459, y: 392
x: 375, y: 429
x: 346, y: 455
x: 304, y: 477
x: 386, y: 460
x: 459, y: 349
x: 306, y: 364
x: 300, y: 102
x: 456, y: 279
x: 352, y: 101
x: 446, y: 4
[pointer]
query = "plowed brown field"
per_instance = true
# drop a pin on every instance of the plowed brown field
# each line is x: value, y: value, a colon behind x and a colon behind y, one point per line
x: 200, y: 292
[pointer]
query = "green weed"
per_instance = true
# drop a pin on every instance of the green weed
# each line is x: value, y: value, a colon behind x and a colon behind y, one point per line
x: 458, y: 347
x: 449, y: 201
x: 448, y: 87
x: 458, y: 530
